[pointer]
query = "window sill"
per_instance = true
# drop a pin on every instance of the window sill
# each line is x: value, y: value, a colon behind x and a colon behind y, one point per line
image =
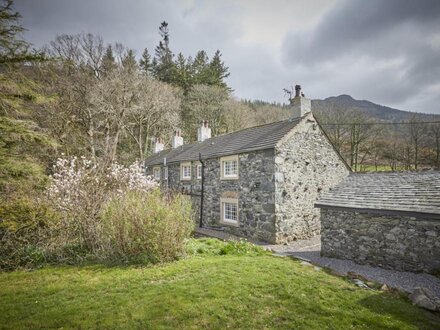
x: 230, y: 223
x: 229, y: 178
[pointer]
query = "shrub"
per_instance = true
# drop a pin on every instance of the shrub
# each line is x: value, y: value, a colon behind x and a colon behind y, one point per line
x: 149, y: 227
x: 24, y: 224
x: 79, y: 190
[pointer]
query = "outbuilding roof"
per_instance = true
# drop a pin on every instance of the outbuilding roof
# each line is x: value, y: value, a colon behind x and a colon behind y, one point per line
x: 246, y: 140
x: 400, y: 192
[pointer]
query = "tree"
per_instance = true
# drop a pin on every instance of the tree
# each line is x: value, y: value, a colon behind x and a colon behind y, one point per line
x: 417, y: 132
x: 11, y: 46
x: 183, y: 76
x: 435, y: 131
x: 218, y: 71
x: 108, y: 61
x: 200, y: 68
x: 145, y: 62
x: 163, y: 65
x: 205, y: 103
x: 129, y: 61
x: 156, y: 113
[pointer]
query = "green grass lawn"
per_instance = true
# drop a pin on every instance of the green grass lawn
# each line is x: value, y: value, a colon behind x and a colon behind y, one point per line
x: 253, y: 291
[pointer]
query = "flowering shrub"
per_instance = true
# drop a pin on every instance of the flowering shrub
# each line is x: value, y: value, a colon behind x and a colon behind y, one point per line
x: 79, y: 190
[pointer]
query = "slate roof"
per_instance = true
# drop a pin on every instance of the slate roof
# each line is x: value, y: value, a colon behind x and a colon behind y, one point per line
x: 401, y: 192
x: 249, y: 139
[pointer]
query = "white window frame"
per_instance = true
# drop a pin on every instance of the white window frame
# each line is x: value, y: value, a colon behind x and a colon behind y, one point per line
x: 223, y: 164
x: 199, y: 171
x: 165, y: 173
x: 224, y: 203
x: 156, y: 170
x: 183, y: 171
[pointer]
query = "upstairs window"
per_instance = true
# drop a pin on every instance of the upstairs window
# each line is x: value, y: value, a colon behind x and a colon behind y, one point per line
x: 199, y: 171
x: 185, y: 171
x: 156, y: 173
x: 229, y: 167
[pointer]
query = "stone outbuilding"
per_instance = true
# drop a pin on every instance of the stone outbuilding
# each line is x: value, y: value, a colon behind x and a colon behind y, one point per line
x: 391, y: 220
x: 261, y: 182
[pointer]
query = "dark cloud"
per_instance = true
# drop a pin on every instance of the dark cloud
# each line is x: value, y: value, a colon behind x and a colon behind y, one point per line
x: 396, y: 36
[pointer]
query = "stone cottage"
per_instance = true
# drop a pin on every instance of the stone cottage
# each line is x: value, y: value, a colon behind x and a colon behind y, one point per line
x: 260, y: 182
x: 391, y: 220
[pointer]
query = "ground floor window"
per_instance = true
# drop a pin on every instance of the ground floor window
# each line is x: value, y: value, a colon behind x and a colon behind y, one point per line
x: 229, y: 210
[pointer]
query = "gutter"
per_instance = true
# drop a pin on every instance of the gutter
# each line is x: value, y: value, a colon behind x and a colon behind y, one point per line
x: 202, y: 190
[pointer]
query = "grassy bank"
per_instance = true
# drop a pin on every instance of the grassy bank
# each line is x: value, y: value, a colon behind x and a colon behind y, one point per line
x: 247, y: 291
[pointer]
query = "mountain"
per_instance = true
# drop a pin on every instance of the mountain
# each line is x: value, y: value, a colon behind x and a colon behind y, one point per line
x: 370, y: 109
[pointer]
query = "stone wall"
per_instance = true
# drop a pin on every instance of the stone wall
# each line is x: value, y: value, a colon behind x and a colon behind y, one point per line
x: 254, y: 189
x: 305, y: 166
x: 396, y: 242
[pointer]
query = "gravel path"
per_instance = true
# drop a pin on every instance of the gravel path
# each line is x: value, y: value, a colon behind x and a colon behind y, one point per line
x: 309, y: 250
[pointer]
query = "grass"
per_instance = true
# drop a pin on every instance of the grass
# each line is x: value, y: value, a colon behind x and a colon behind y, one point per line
x: 241, y: 288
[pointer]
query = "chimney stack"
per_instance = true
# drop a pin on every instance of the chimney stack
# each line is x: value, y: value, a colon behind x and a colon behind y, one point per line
x: 203, y: 132
x: 157, y: 145
x: 177, y: 139
x: 300, y: 104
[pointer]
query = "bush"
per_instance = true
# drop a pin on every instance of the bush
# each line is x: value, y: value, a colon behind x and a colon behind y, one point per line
x: 79, y: 190
x: 141, y: 227
x: 24, y: 224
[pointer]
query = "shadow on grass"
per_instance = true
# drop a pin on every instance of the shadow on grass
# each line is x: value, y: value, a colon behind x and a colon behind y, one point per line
x: 401, y: 310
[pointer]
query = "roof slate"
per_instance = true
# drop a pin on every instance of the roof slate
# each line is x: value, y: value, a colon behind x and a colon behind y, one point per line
x: 414, y: 192
x: 246, y: 140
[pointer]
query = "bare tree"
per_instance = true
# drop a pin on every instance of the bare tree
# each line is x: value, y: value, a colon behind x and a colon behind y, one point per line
x: 157, y: 110
x: 417, y: 132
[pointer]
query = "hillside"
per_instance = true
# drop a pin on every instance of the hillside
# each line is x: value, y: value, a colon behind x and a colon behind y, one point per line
x: 370, y: 109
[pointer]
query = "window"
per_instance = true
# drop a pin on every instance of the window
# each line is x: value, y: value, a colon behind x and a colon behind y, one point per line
x: 185, y: 171
x: 229, y: 167
x: 156, y: 173
x: 165, y: 173
x: 199, y: 171
x: 229, y: 211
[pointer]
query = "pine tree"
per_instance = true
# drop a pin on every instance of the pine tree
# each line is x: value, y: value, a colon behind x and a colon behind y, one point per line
x: 183, y: 77
x: 145, y: 62
x: 129, y: 61
x: 108, y: 61
x: 163, y: 65
x: 200, y: 69
x: 218, y: 71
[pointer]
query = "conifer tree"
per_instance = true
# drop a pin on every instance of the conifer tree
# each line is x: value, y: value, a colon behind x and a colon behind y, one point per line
x: 218, y: 71
x: 145, y: 62
x: 129, y: 61
x: 108, y: 61
x: 164, y: 66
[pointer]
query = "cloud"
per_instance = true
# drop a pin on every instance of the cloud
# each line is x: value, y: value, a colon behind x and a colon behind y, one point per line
x: 386, y: 51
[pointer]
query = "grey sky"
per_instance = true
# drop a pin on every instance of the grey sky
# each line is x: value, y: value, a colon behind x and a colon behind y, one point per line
x: 386, y: 51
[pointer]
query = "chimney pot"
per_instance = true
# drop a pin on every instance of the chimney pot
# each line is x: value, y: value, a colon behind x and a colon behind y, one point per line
x: 297, y: 90
x: 177, y: 139
x: 203, y: 132
x: 158, y: 145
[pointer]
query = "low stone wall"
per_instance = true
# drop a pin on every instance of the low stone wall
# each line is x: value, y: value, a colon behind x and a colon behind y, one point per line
x: 389, y: 241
